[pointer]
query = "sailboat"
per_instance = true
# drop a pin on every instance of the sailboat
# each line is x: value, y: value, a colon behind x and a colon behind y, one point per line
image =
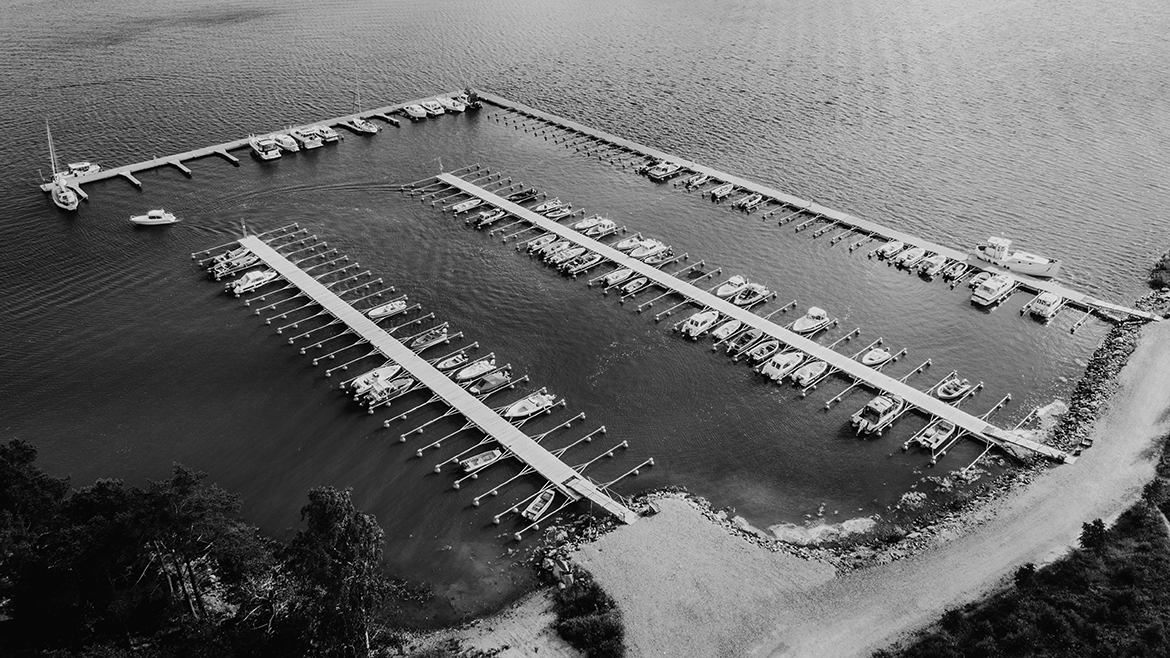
x: 64, y: 196
x: 359, y: 123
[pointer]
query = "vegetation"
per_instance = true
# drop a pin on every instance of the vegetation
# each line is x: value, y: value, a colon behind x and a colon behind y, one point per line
x: 111, y: 570
x: 1108, y: 597
x: 588, y: 619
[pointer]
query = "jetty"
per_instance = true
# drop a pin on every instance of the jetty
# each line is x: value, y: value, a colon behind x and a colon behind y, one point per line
x: 567, y: 480
x: 973, y: 425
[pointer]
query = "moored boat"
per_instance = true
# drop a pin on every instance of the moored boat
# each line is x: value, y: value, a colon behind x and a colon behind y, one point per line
x: 522, y: 196
x: 489, y: 217
x: 491, y: 382
x: 363, y: 125
x: 626, y: 244
x: 551, y: 204
x: 415, y: 112
x: 587, y: 223
x: 306, y: 137
x: 696, y: 180
x: 890, y: 248
x: 876, y: 357
x: 997, y: 252
x: 529, y: 406
x: 83, y: 168
x: 464, y: 206
x: 932, y: 265
x: 582, y: 263
x: 327, y: 133
x: 482, y: 460
x: 265, y: 148
x: 251, y: 281
x: 1046, y: 306
x: 809, y: 372
x: 878, y: 414
x: 722, y: 192
x: 543, y: 241
x: 451, y: 104
x: 382, y: 391
x: 764, y: 350
x: 285, y: 142
x: 731, y: 287
x: 648, y: 248
x: 452, y: 362
x: 725, y: 330
x: 559, y: 213
x: 749, y: 202
x: 550, y: 249
x: 812, y: 321
x: 603, y: 227
x: 978, y: 279
x: 663, y: 170
x: 539, y: 505
x: 62, y: 194
x: 937, y: 433
x: 660, y: 257
x: 910, y: 257
x: 429, y: 338
x: 367, y: 380
x: 238, y: 252
x: 780, y: 365
x: 751, y: 294
x: 156, y: 217
x: 744, y: 340
x: 634, y: 286
x: 699, y: 323
x: 617, y: 276
x: 993, y: 290
x: 223, y: 268
x: 565, y: 255
x: 387, y: 310
x: 477, y: 369
x: 952, y: 388
x: 432, y: 108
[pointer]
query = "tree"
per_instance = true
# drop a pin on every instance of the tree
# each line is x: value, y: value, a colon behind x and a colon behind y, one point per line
x: 1093, y: 536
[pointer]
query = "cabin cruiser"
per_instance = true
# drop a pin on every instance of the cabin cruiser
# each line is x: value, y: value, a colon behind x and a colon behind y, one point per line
x: 285, y: 142
x: 627, y: 244
x: 604, y: 227
x: 725, y: 330
x: 732, y: 287
x: 251, y: 281
x: 722, y: 192
x: 382, y: 391
x: 327, y: 133
x: 1046, y: 305
x: 477, y: 369
x: 429, y: 338
x: 997, y: 252
x: 522, y: 196
x: 993, y: 290
x: 551, y: 204
x: 663, y: 170
x: 744, y: 340
x: 617, y: 276
x: 635, y: 285
x: 543, y: 241
x: 764, y: 350
x: 876, y: 357
x: 387, y: 310
x: 432, y: 108
x: 479, y: 461
x: 265, y: 148
x: 415, y: 112
x: 910, y: 257
x: 464, y: 206
x: 559, y: 213
x: 779, y: 366
x: 565, y: 255
x: 878, y: 414
x: 539, y: 505
x: 890, y: 248
x: 932, y: 266
x: 581, y: 263
x: 363, y: 125
x: 812, y: 322
x: 450, y: 104
x: 751, y: 294
x: 647, y: 249
x: 489, y: 217
x: 696, y: 180
x: 699, y: 323
x: 83, y: 168
x: 491, y: 382
x: 452, y: 362
x: 529, y: 406
x: 367, y: 380
x: 748, y: 202
x: 809, y: 372
x: 936, y: 433
x: 953, y: 388
x: 155, y: 217
x: 306, y: 137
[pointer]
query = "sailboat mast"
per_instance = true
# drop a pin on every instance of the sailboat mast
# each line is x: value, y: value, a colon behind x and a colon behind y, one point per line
x: 52, y: 152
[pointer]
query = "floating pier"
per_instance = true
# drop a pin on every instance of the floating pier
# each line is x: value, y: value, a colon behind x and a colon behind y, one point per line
x: 567, y: 480
x: 929, y: 404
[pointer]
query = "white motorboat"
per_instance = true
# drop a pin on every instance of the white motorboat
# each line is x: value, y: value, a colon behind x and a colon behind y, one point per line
x: 587, y: 223
x: 722, y: 192
x: 559, y: 213
x: 251, y: 281
x: 663, y: 170
x: 154, y: 217
x: 553, y: 248
x: 910, y: 257
x: 285, y: 142
x: 265, y: 148
x: 489, y: 216
x: 247, y: 259
x: 809, y: 372
x: 997, y: 252
x: 748, y: 202
x: 936, y: 433
x: 367, y: 380
x: 432, y: 108
x: 635, y: 285
x: 543, y: 241
x: 539, y: 505
x: 551, y: 204
x: 363, y: 125
x: 878, y: 414
x: 83, y: 168
x: 476, y: 369
x: 699, y: 323
x: 491, y: 382
x: 238, y: 252
x: 604, y: 227
x: 876, y: 357
x: 744, y: 340
x: 955, y: 271
x: 731, y: 287
x: 626, y: 244
x: 660, y: 257
x: 306, y: 137
x: 647, y: 249
x: 522, y: 196
x: 451, y: 362
x: 978, y: 280
x: 952, y: 388
x: 751, y: 294
x: 565, y: 255
x: 1046, y: 306
x: 764, y: 350
x: 725, y: 330
x: 327, y: 133
x: 387, y: 310
x: 993, y: 290
x: 415, y: 112
x: 890, y: 248
x: 464, y: 206
x: 382, y: 391
x: 429, y: 338
x: 63, y: 196
x: 932, y: 265
x: 479, y: 461
x: 696, y: 180
x: 450, y: 104
x: 780, y: 365
x: 812, y: 321
x: 582, y: 263
x: 617, y: 276
x: 529, y: 406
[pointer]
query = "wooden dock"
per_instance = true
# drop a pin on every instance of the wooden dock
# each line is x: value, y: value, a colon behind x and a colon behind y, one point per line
x: 978, y: 427
x: 818, y: 211
x: 568, y: 481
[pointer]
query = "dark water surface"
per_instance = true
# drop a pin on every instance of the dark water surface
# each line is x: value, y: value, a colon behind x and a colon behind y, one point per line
x: 953, y: 121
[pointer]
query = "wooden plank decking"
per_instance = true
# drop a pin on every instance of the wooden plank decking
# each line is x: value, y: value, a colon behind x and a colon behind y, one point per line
x: 568, y: 481
x: 978, y: 427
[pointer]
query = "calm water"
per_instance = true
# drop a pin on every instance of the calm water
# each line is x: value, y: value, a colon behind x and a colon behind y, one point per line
x: 953, y: 121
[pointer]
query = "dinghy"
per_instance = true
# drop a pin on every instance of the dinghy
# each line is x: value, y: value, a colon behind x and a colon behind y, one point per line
x: 937, y: 433
x: 725, y: 330
x: 696, y: 180
x: 744, y: 340
x: 479, y: 461
x: 453, y: 361
x: 529, y: 406
x: 812, y: 321
x: 909, y: 257
x: 953, y: 388
x: 699, y: 323
x: 634, y: 286
x: 464, y: 206
x: 722, y: 192
x: 617, y: 276
x: 752, y: 293
x: 581, y: 263
x: 890, y: 248
x: 540, y: 243
x: 780, y: 365
x: 764, y: 350
x: 539, y: 505
x: 430, y: 338
x: 387, y: 310
x: 809, y: 372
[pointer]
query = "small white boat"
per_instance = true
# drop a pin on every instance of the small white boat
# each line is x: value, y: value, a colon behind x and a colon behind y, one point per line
x: 744, y: 340
x: 529, y: 406
x: 812, y: 321
x: 764, y: 350
x: 83, y: 168
x: 952, y: 388
x: 634, y: 286
x: 699, y: 323
x: 978, y: 279
x: 451, y: 362
x: 659, y: 258
x: 565, y: 255
x: 464, y: 206
x: 752, y: 294
x: 876, y: 357
x: 265, y: 148
x: 367, y: 380
x: 551, y: 204
x: 629, y: 243
x: 489, y: 217
x: 491, y: 382
x: 285, y: 142
x: 748, y: 202
x: 581, y: 263
x: 251, y: 281
x: 476, y: 369
x: 432, y: 108
x: 154, y: 218
x: 247, y: 259
x: 932, y: 266
x: 993, y: 290
x: 878, y: 414
x: 479, y: 461
x: 588, y: 222
x: 648, y: 248
x: 415, y: 112
x: 451, y: 104
x: 559, y: 213
x: 539, y: 505
x: 909, y: 257
x: 696, y: 180
x: 387, y: 310
x: 431, y: 337
x: 732, y: 287
x: 238, y: 252
x: 1046, y: 306
x: 955, y: 271
x: 725, y: 330
x: 663, y: 170
x: 522, y: 196
x: 617, y: 276
x: 809, y: 372
x: 327, y: 133
x: 306, y: 137
x: 553, y: 248
x: 543, y: 241
x: 722, y: 192
x: 937, y: 433
x: 384, y: 390
x: 780, y: 365
x: 604, y: 227
x: 363, y: 125
x: 997, y: 252
x: 890, y: 248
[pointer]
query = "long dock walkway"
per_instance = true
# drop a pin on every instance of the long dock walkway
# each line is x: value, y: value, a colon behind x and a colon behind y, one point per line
x: 568, y: 481
x: 816, y: 210
x: 978, y: 427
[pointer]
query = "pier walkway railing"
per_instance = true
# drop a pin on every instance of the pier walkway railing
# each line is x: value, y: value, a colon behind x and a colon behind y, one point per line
x: 978, y: 427
x: 568, y: 481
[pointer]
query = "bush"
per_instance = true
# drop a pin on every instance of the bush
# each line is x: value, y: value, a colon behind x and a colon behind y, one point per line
x: 589, y: 620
